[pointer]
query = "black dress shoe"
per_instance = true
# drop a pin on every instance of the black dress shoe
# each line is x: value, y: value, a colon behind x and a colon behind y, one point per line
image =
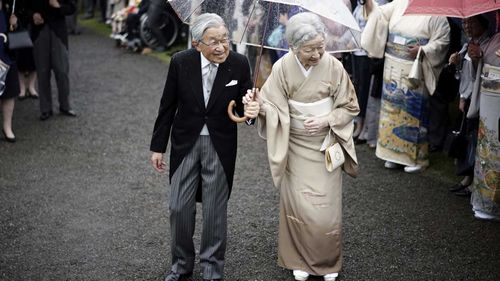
x: 359, y: 141
x: 435, y: 148
x: 457, y: 187
x: 45, y: 115
x: 464, y: 192
x: 174, y: 276
x: 11, y: 140
x: 69, y: 112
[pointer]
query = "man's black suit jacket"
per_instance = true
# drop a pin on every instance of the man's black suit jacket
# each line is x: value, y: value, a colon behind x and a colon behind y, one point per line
x: 182, y: 110
x: 55, y: 18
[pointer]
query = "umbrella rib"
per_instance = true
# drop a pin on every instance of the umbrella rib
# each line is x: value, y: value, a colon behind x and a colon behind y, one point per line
x: 248, y: 21
x: 257, y: 65
x: 194, y: 10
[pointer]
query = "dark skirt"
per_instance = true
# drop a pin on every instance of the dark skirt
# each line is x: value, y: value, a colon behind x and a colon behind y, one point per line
x: 11, y: 84
x: 25, y: 61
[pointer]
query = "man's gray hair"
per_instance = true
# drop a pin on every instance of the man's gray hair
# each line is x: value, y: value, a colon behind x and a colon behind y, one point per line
x: 302, y: 28
x: 204, y: 22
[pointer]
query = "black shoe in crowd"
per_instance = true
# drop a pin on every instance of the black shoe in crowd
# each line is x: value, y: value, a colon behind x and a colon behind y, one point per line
x: 69, y: 112
x: 460, y: 189
x: 174, y: 276
x: 45, y: 115
x: 435, y: 148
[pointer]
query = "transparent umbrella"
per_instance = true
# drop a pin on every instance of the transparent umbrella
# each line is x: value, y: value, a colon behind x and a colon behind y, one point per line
x: 247, y: 20
x: 262, y: 23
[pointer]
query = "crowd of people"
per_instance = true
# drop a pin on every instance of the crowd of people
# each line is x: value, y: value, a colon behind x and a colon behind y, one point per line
x: 409, y: 69
x: 30, y: 68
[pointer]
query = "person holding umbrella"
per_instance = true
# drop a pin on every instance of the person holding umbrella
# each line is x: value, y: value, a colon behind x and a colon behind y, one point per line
x: 405, y: 42
x: 193, y: 110
x: 307, y: 106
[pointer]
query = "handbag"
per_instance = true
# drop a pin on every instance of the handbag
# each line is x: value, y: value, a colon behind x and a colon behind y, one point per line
x: 334, y: 157
x: 19, y: 39
x: 447, y: 86
x: 455, y: 144
x: 4, y: 69
x: 416, y: 73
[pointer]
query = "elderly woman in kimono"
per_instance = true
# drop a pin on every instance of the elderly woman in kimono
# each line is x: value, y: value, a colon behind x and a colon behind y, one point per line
x: 403, y: 124
x: 485, y: 103
x: 306, y: 105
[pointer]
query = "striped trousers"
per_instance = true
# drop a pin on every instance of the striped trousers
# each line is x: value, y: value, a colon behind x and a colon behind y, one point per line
x: 200, y: 164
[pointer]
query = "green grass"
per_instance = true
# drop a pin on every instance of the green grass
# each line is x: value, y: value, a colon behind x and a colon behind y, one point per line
x: 105, y: 30
x: 96, y: 26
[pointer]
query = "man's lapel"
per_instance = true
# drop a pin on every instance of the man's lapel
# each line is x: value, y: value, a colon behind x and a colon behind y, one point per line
x: 196, y: 79
x: 223, y: 73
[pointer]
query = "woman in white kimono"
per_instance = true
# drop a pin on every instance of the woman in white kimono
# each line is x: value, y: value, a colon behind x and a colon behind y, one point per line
x: 306, y: 105
x: 403, y: 124
x: 485, y: 102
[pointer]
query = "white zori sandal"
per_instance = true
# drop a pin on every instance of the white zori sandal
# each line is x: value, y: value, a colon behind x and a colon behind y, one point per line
x: 300, y: 275
x: 331, y: 277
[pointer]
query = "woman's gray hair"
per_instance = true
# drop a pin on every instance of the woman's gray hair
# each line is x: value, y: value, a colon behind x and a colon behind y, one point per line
x: 304, y: 27
x: 204, y: 22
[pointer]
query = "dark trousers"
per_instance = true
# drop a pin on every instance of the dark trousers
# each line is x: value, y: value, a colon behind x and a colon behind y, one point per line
x: 362, y: 78
x: 51, y: 55
x: 89, y: 6
x: 72, y: 21
x: 438, y: 120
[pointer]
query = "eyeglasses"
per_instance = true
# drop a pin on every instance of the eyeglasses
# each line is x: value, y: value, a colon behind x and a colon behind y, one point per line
x: 214, y: 44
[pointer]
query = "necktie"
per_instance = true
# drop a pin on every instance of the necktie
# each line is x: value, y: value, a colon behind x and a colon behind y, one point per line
x: 208, y: 80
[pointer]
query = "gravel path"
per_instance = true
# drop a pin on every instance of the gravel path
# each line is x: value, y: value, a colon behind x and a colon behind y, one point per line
x: 79, y: 201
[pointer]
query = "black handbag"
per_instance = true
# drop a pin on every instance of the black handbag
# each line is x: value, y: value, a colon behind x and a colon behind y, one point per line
x: 447, y: 86
x: 19, y: 39
x: 455, y: 144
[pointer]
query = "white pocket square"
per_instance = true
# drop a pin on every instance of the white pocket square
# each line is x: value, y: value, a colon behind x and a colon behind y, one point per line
x: 232, y: 83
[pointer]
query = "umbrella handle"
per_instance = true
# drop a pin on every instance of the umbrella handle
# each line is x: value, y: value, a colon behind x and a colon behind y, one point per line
x: 230, y: 109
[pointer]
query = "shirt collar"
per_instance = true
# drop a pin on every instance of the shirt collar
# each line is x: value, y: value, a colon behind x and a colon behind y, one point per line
x: 205, y: 61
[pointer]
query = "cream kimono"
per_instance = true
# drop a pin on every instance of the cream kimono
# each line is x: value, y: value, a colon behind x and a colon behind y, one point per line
x: 404, y: 111
x: 310, y: 228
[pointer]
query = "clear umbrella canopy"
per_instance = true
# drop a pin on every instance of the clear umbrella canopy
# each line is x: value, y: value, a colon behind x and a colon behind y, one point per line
x: 263, y: 22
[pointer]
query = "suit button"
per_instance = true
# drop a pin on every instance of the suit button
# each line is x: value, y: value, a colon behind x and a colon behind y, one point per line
x: 206, y: 118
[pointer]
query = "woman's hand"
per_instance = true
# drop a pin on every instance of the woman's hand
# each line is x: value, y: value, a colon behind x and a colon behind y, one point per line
x: 474, y: 51
x: 413, y: 50
x: 13, y: 21
x: 461, y: 105
x: 157, y: 161
x: 314, y: 125
x: 37, y: 19
x: 252, y: 103
x: 54, y: 4
x: 454, y: 58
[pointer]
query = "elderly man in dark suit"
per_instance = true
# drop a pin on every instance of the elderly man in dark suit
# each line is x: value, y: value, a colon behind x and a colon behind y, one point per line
x: 200, y: 84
